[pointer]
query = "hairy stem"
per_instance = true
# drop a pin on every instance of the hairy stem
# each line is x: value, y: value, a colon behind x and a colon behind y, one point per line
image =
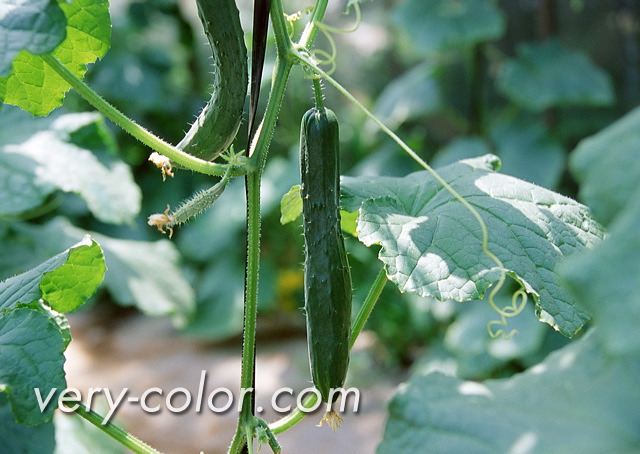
x: 117, y: 433
x: 143, y: 135
x: 317, y: 93
x: 311, y: 29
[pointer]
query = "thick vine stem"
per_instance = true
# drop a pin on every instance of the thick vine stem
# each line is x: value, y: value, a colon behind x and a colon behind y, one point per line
x: 143, y: 135
x: 311, y: 29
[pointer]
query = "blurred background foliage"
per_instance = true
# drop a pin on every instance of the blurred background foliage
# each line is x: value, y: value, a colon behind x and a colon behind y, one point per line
x: 523, y: 79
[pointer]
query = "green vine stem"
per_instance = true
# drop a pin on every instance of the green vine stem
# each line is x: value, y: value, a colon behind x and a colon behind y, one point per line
x: 311, y: 29
x: 117, y: 433
x: 143, y: 135
x: 247, y: 377
x: 369, y: 303
x: 248, y: 424
x: 317, y: 93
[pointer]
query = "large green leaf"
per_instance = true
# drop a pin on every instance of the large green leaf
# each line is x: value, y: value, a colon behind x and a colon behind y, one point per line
x: 578, y: 400
x: 33, y: 85
x: 547, y: 74
x: 608, y: 168
x: 31, y: 358
x: 431, y: 244
x: 60, y: 154
x: 436, y: 25
x: 141, y: 273
x: 65, y: 281
x: 37, y: 26
x: 18, y: 438
x: 614, y: 297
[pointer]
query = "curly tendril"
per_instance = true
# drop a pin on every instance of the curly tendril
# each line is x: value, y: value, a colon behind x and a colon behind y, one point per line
x: 324, y: 58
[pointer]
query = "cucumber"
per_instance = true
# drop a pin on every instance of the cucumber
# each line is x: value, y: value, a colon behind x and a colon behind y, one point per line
x: 218, y: 122
x: 327, y: 278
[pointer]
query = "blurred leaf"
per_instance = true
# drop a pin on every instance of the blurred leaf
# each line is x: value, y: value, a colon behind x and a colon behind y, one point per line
x: 607, y: 167
x: 37, y: 26
x: 75, y: 435
x: 226, y: 219
x: 547, y: 74
x: 414, y: 94
x: 220, y: 310
x: 348, y: 222
x: 291, y: 205
x: 34, y: 86
x: 614, y: 296
x: 459, y: 149
x: 438, y: 25
x: 477, y: 354
x: 49, y: 160
x: 18, y: 438
x: 431, y: 244
x: 31, y: 354
x: 578, y: 400
x: 527, y: 151
x: 51, y: 280
x: 141, y: 273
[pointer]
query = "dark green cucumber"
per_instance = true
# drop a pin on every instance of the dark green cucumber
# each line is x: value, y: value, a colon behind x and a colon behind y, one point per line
x: 218, y: 122
x: 327, y: 279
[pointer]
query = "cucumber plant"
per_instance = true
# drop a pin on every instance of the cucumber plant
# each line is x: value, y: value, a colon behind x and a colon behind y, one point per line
x: 463, y: 215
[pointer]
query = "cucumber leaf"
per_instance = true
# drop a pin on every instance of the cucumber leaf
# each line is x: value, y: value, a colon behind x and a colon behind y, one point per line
x: 431, y: 244
x: 15, y: 437
x: 141, y: 273
x: 34, y: 86
x: 63, y: 153
x: 37, y: 26
x: 291, y: 205
x: 76, y: 435
x: 31, y: 353
x: 65, y: 281
x: 547, y: 74
x: 579, y: 399
x: 614, y: 297
x: 414, y: 94
x: 528, y: 151
x: 437, y: 25
x: 607, y: 167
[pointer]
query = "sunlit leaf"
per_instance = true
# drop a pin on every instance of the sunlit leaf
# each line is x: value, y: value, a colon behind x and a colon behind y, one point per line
x: 37, y: 88
x: 431, y: 244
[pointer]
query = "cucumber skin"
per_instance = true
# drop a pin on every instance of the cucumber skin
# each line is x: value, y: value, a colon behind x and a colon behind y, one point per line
x: 217, y: 124
x: 327, y: 278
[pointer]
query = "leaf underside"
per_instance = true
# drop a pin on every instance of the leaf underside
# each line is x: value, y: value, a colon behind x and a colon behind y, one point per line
x: 431, y: 244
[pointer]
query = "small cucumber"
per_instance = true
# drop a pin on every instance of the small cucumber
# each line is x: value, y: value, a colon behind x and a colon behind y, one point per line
x: 327, y: 279
x: 218, y: 122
